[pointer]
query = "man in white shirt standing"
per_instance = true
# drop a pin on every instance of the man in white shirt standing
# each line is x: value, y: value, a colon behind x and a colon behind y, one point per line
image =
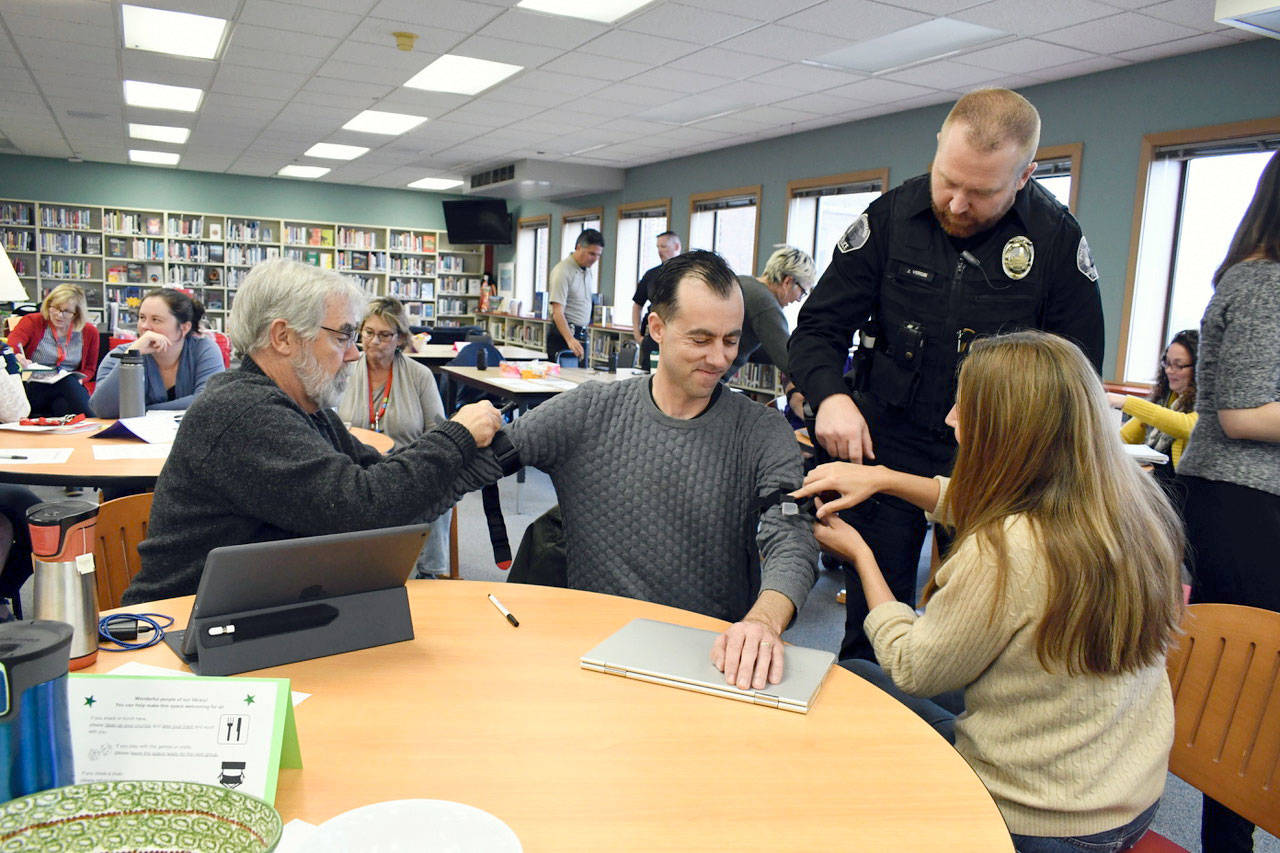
x: 569, y: 290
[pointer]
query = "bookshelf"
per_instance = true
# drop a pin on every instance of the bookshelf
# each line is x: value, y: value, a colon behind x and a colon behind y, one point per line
x: 118, y: 253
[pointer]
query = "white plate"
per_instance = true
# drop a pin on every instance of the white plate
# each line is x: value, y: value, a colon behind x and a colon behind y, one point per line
x: 438, y: 826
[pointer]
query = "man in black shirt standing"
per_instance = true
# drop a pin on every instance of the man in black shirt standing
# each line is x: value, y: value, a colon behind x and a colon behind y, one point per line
x: 972, y: 248
x: 668, y: 248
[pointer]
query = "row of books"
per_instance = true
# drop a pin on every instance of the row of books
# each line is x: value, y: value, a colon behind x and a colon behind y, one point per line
x: 354, y: 238
x: 305, y: 235
x: 460, y: 285
x: 374, y: 261
x: 186, y: 227
x: 250, y: 255
x: 757, y: 375
x: 248, y: 230
x: 452, y: 264
x: 454, y: 306
x: 138, y: 248
x: 316, y: 259
x: 135, y: 273
x: 200, y: 253
x: 70, y: 244
x: 412, y: 266
x: 402, y: 289
x: 420, y: 313
x: 123, y: 222
x: 18, y: 241
x: 407, y: 241
x: 66, y: 217
x: 70, y: 268
x: 368, y: 285
x: 13, y: 213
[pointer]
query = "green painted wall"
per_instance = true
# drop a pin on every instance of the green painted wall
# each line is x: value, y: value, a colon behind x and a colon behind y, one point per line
x: 46, y: 179
x: 1109, y: 112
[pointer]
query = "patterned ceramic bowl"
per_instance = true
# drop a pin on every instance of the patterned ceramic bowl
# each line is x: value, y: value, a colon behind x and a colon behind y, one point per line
x: 139, y: 816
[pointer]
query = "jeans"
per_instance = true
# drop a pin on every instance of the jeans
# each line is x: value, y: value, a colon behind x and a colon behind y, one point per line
x: 1110, y: 841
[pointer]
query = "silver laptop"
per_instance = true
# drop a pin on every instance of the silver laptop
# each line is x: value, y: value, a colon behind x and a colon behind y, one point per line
x: 679, y: 656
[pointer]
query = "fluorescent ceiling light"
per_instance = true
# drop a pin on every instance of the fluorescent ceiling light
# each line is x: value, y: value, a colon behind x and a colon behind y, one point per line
x: 330, y: 151
x: 1261, y: 17
x: 388, y: 124
x: 920, y: 43
x: 159, y: 133
x: 303, y: 171
x: 461, y: 75
x: 159, y: 158
x: 605, y: 11
x: 158, y: 96
x: 176, y: 33
x: 435, y: 184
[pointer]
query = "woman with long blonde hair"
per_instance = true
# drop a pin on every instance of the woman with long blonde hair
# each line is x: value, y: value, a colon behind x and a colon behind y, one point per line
x: 1056, y: 603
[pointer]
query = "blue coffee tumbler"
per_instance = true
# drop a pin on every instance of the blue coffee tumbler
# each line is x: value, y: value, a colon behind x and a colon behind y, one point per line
x: 35, y: 729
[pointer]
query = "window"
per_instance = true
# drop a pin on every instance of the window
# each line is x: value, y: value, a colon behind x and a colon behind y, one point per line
x: 574, y: 224
x: 639, y: 225
x: 1193, y: 189
x: 531, y: 260
x: 1057, y: 170
x: 727, y: 222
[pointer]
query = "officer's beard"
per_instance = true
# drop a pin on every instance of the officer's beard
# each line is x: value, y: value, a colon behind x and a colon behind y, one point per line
x: 962, y: 226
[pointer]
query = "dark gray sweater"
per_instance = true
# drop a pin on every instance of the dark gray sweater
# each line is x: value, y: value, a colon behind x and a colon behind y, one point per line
x: 658, y: 508
x: 249, y: 465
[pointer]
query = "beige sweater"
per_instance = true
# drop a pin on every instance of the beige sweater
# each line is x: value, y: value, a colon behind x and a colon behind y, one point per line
x: 1061, y: 755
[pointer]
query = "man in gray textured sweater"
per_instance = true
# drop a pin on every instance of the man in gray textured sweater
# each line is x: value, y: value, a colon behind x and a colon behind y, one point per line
x: 261, y: 454
x: 658, y: 477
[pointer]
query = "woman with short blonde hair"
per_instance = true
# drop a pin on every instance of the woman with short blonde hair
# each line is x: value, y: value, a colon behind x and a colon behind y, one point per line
x: 1054, y: 607
x: 59, y: 337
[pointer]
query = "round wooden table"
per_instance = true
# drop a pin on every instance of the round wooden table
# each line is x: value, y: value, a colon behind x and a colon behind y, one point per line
x: 82, y: 469
x: 504, y: 719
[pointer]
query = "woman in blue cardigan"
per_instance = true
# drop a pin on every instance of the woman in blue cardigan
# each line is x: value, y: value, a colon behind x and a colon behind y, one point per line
x: 177, y: 360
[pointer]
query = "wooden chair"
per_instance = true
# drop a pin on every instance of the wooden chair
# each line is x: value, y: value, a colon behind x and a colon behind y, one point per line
x: 1225, y: 676
x: 122, y: 525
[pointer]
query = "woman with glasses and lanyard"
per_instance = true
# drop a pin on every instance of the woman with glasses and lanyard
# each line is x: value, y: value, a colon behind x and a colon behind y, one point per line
x: 1164, y: 420
x: 59, y: 337
x: 395, y: 395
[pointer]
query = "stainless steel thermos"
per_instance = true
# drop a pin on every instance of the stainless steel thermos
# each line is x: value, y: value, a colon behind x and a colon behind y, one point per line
x: 35, y: 730
x: 133, y: 385
x: 66, y: 587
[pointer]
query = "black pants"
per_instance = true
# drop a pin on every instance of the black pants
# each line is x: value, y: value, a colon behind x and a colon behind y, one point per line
x: 1233, y: 536
x: 648, y: 346
x: 892, y: 528
x: 67, y: 396
x: 556, y: 343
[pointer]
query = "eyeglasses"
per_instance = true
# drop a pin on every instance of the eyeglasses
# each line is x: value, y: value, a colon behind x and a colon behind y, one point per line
x: 383, y: 337
x: 341, y: 338
x: 62, y: 310
x: 1166, y: 363
x: 804, y: 291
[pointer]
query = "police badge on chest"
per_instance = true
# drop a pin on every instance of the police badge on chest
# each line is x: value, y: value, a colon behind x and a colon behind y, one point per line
x: 1017, y: 256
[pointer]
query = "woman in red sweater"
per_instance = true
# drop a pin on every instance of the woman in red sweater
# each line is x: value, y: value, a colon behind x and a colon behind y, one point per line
x: 59, y: 337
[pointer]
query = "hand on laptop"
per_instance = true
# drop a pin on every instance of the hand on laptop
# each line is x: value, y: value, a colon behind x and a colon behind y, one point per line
x: 481, y: 419
x: 749, y: 653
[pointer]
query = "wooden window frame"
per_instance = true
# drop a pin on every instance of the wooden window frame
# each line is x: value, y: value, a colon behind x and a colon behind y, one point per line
x: 862, y: 177
x: 1152, y: 142
x: 536, y: 222
x: 757, y: 190
x: 1073, y: 151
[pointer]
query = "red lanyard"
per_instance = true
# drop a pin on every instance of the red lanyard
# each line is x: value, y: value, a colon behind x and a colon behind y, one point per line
x: 376, y: 414
x: 62, y: 354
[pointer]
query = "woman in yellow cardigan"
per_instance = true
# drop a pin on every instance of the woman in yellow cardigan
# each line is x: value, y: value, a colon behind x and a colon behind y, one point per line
x: 1164, y: 420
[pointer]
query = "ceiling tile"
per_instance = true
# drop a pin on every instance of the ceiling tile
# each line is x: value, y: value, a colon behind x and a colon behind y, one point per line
x: 944, y: 74
x: 1031, y: 17
x: 760, y: 10
x: 512, y: 93
x: 504, y: 50
x: 853, y: 20
x: 595, y: 67
x: 95, y: 28
x: 1196, y: 14
x: 654, y: 49
x: 782, y: 41
x: 1125, y: 31
x: 880, y: 90
x: 535, y: 28
x: 670, y: 18
x: 1206, y: 41
x: 276, y: 40
x: 1023, y: 56
x: 299, y: 19
x: 806, y: 78
x: 728, y: 63
x: 384, y: 75
x: 641, y: 96
x: 460, y: 14
x: 430, y: 40
x: 825, y: 103
x: 1079, y: 69
x: 674, y: 80
x: 568, y: 83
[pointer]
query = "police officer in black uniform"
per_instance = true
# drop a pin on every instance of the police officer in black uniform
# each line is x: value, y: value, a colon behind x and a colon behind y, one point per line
x: 973, y: 248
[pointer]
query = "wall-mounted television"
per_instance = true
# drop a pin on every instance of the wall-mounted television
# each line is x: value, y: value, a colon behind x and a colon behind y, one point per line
x: 477, y: 220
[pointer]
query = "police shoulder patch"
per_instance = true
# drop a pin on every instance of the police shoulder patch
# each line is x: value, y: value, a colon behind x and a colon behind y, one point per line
x: 1084, y: 261
x: 856, y: 236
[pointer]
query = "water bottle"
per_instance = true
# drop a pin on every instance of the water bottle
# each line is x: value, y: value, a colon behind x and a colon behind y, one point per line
x: 35, y: 729
x: 133, y: 385
x: 66, y: 588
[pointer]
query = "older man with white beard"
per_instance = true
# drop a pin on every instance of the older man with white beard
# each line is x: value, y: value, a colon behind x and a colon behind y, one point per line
x: 261, y: 455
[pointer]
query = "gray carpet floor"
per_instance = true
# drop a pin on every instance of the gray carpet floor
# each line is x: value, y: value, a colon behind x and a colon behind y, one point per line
x: 819, y: 625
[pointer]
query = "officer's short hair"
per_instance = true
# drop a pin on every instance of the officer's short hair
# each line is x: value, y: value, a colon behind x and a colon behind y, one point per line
x: 790, y: 261
x: 589, y: 237
x: 707, y: 267
x: 995, y: 117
